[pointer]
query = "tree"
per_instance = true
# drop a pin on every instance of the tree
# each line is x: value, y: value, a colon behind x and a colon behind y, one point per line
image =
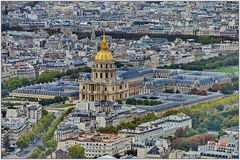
x: 74, y: 76
x: 25, y: 81
x: 76, y: 152
x: 116, y: 155
x: 37, y: 153
x: 169, y: 91
x: 203, y: 93
x: 44, y: 112
x: 145, y: 102
x: 177, y: 91
x: 227, y: 88
x: 194, y: 91
x: 22, y: 142
x: 216, y: 87
x: 47, y: 76
x: 51, y: 144
x: 119, y: 101
x: 4, y: 112
x: 180, y: 132
x: 69, y: 72
x: 131, y: 101
x: 170, y: 112
x: 13, y: 83
x: 190, y: 132
x: 220, y: 107
x: 118, y: 64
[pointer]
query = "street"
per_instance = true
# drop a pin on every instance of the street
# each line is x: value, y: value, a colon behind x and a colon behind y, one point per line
x: 24, y: 153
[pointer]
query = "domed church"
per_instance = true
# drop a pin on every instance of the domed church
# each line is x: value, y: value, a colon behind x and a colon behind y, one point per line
x: 103, y: 85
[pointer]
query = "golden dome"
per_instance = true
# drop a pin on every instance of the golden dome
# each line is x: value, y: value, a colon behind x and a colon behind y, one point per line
x: 104, y: 55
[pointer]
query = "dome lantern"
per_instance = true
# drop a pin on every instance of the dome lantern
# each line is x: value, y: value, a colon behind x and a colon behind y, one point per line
x: 104, y: 55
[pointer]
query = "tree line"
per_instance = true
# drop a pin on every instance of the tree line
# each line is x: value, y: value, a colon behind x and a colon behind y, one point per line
x: 207, y: 116
x: 56, y: 99
x: 133, y: 101
x: 48, y: 76
x: 130, y: 125
x: 210, y: 115
x: 48, y: 139
x: 226, y: 88
x: 210, y: 63
x: 27, y: 138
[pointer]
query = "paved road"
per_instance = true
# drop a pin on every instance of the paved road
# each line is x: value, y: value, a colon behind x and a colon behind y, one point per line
x: 24, y: 153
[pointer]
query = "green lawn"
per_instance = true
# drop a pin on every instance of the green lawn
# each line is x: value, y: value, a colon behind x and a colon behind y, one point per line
x: 63, y: 105
x: 230, y: 70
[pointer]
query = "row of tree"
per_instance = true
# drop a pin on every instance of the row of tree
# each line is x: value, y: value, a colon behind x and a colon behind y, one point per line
x: 74, y: 152
x: 226, y: 88
x: 198, y: 92
x: 133, y: 101
x: 208, y: 40
x: 27, y: 138
x: 211, y: 63
x: 192, y: 142
x: 198, y: 113
x: 205, y: 117
x: 12, y: 84
x: 47, y: 139
x: 48, y: 76
x: 217, y: 121
x: 56, y: 99
x: 130, y: 125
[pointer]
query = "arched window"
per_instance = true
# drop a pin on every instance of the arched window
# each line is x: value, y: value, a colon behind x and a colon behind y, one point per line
x: 101, y: 65
x: 106, y: 75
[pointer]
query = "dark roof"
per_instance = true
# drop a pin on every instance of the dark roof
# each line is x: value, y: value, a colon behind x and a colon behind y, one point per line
x: 154, y: 150
x: 130, y: 75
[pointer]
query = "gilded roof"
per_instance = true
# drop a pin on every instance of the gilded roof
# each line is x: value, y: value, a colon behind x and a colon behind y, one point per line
x: 104, y: 55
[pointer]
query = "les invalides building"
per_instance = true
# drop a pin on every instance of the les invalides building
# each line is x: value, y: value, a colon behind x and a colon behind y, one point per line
x: 103, y: 85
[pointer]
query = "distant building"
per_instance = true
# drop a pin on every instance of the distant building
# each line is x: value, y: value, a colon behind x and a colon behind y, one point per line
x: 227, y: 147
x: 159, y: 128
x: 104, y: 85
x: 49, y: 90
x: 97, y: 145
x: 4, y: 141
x: 59, y: 154
x: 152, y: 148
x: 17, y: 126
x: 66, y: 131
x: 25, y: 70
x: 34, y: 112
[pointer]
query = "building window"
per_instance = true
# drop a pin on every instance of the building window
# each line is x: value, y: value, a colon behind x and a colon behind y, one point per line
x: 120, y: 87
x: 105, y: 88
x: 101, y: 65
x: 110, y: 65
x: 106, y: 75
x: 111, y: 75
x: 83, y: 96
x: 83, y: 87
x: 96, y: 75
x: 100, y: 75
x: 106, y: 66
x: 113, y: 88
